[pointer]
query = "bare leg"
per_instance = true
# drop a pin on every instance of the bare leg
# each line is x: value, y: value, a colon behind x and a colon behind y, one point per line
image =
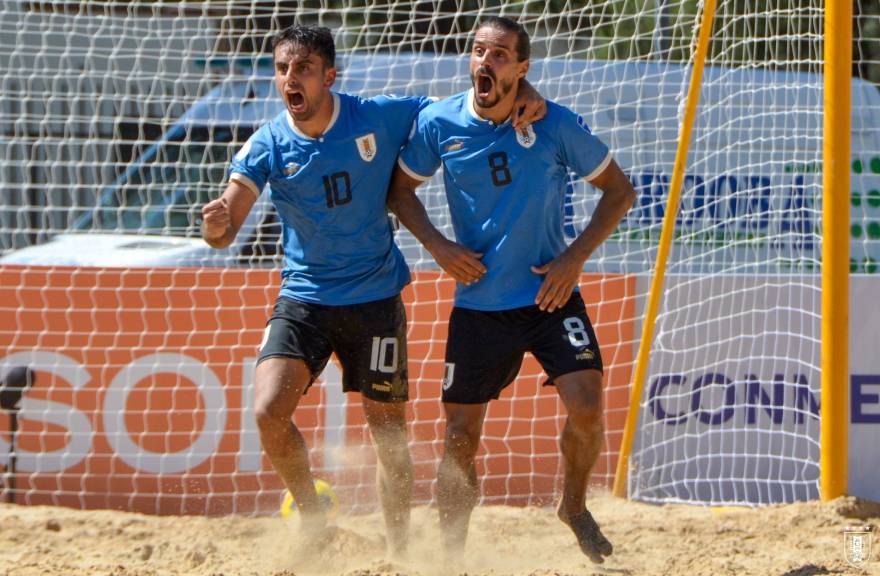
x: 280, y: 385
x: 387, y: 421
x: 457, y: 490
x: 581, y: 441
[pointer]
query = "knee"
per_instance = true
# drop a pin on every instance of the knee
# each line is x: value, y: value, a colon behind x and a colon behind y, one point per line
x: 392, y: 449
x: 270, y: 417
x: 585, y: 410
x: 587, y: 418
x: 462, y: 440
x: 280, y: 382
x: 588, y: 408
x: 387, y: 424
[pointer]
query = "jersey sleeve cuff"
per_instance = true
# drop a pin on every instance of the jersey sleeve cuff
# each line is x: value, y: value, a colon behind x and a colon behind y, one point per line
x: 246, y: 182
x: 599, y: 169
x: 409, y: 171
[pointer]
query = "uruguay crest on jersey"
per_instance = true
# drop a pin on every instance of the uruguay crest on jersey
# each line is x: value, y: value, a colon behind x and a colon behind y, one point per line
x: 526, y: 137
x: 367, y: 147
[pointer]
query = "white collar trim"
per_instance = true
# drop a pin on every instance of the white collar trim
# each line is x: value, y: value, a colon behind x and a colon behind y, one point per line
x: 330, y: 124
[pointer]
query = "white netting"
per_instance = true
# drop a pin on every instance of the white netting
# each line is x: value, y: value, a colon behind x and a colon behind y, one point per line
x: 118, y: 119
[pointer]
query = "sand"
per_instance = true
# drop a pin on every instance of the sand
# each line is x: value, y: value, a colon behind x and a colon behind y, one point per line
x: 803, y: 539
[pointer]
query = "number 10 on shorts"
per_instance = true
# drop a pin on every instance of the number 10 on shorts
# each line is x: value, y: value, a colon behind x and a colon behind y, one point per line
x: 383, y: 356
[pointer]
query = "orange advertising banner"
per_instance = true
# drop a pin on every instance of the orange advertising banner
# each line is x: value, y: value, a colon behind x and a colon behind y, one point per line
x: 143, y: 397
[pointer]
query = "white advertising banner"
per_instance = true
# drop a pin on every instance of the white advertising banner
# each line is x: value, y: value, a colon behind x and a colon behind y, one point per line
x: 864, y: 391
x: 732, y: 400
x: 731, y: 405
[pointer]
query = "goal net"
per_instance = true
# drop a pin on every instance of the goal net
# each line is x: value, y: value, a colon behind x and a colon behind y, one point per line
x: 119, y: 119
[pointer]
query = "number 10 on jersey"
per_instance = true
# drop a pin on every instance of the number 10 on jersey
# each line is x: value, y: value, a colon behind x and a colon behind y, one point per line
x: 337, y: 189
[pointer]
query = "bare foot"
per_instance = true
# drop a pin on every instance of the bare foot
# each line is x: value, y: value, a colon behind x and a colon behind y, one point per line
x: 398, y: 556
x: 590, y: 538
x: 312, y: 542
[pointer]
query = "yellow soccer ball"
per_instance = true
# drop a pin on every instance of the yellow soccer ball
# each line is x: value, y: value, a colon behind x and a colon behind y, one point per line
x: 325, y: 494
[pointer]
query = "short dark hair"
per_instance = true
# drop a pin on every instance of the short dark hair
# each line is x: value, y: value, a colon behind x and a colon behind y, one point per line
x: 314, y: 38
x: 523, y: 43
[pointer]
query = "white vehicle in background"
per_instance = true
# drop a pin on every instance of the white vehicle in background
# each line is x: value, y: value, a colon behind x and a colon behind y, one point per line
x: 150, y: 215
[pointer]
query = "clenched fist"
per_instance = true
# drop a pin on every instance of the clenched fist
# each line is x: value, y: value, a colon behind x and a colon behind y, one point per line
x: 215, y: 219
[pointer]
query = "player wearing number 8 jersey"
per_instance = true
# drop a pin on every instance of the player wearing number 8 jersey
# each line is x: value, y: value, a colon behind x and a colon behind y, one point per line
x: 517, y: 288
x: 327, y: 159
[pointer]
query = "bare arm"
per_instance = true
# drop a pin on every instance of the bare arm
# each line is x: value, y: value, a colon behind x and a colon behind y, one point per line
x: 529, y: 106
x: 222, y: 218
x: 459, y: 262
x: 564, y: 271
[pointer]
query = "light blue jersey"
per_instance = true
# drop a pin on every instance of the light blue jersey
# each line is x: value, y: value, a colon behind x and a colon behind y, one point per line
x: 330, y: 194
x: 505, y: 190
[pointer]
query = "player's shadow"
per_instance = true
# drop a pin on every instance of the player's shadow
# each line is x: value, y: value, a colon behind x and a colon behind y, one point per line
x: 810, y: 570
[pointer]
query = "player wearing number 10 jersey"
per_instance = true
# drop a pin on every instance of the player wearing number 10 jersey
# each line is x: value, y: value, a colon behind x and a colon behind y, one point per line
x: 517, y: 288
x: 327, y: 159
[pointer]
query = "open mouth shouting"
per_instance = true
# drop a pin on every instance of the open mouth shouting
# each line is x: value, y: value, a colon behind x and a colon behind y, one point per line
x: 484, y: 82
x: 296, y: 101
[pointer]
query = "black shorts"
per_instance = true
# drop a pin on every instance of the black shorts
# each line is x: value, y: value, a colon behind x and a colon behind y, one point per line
x: 485, y: 350
x: 369, y: 339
